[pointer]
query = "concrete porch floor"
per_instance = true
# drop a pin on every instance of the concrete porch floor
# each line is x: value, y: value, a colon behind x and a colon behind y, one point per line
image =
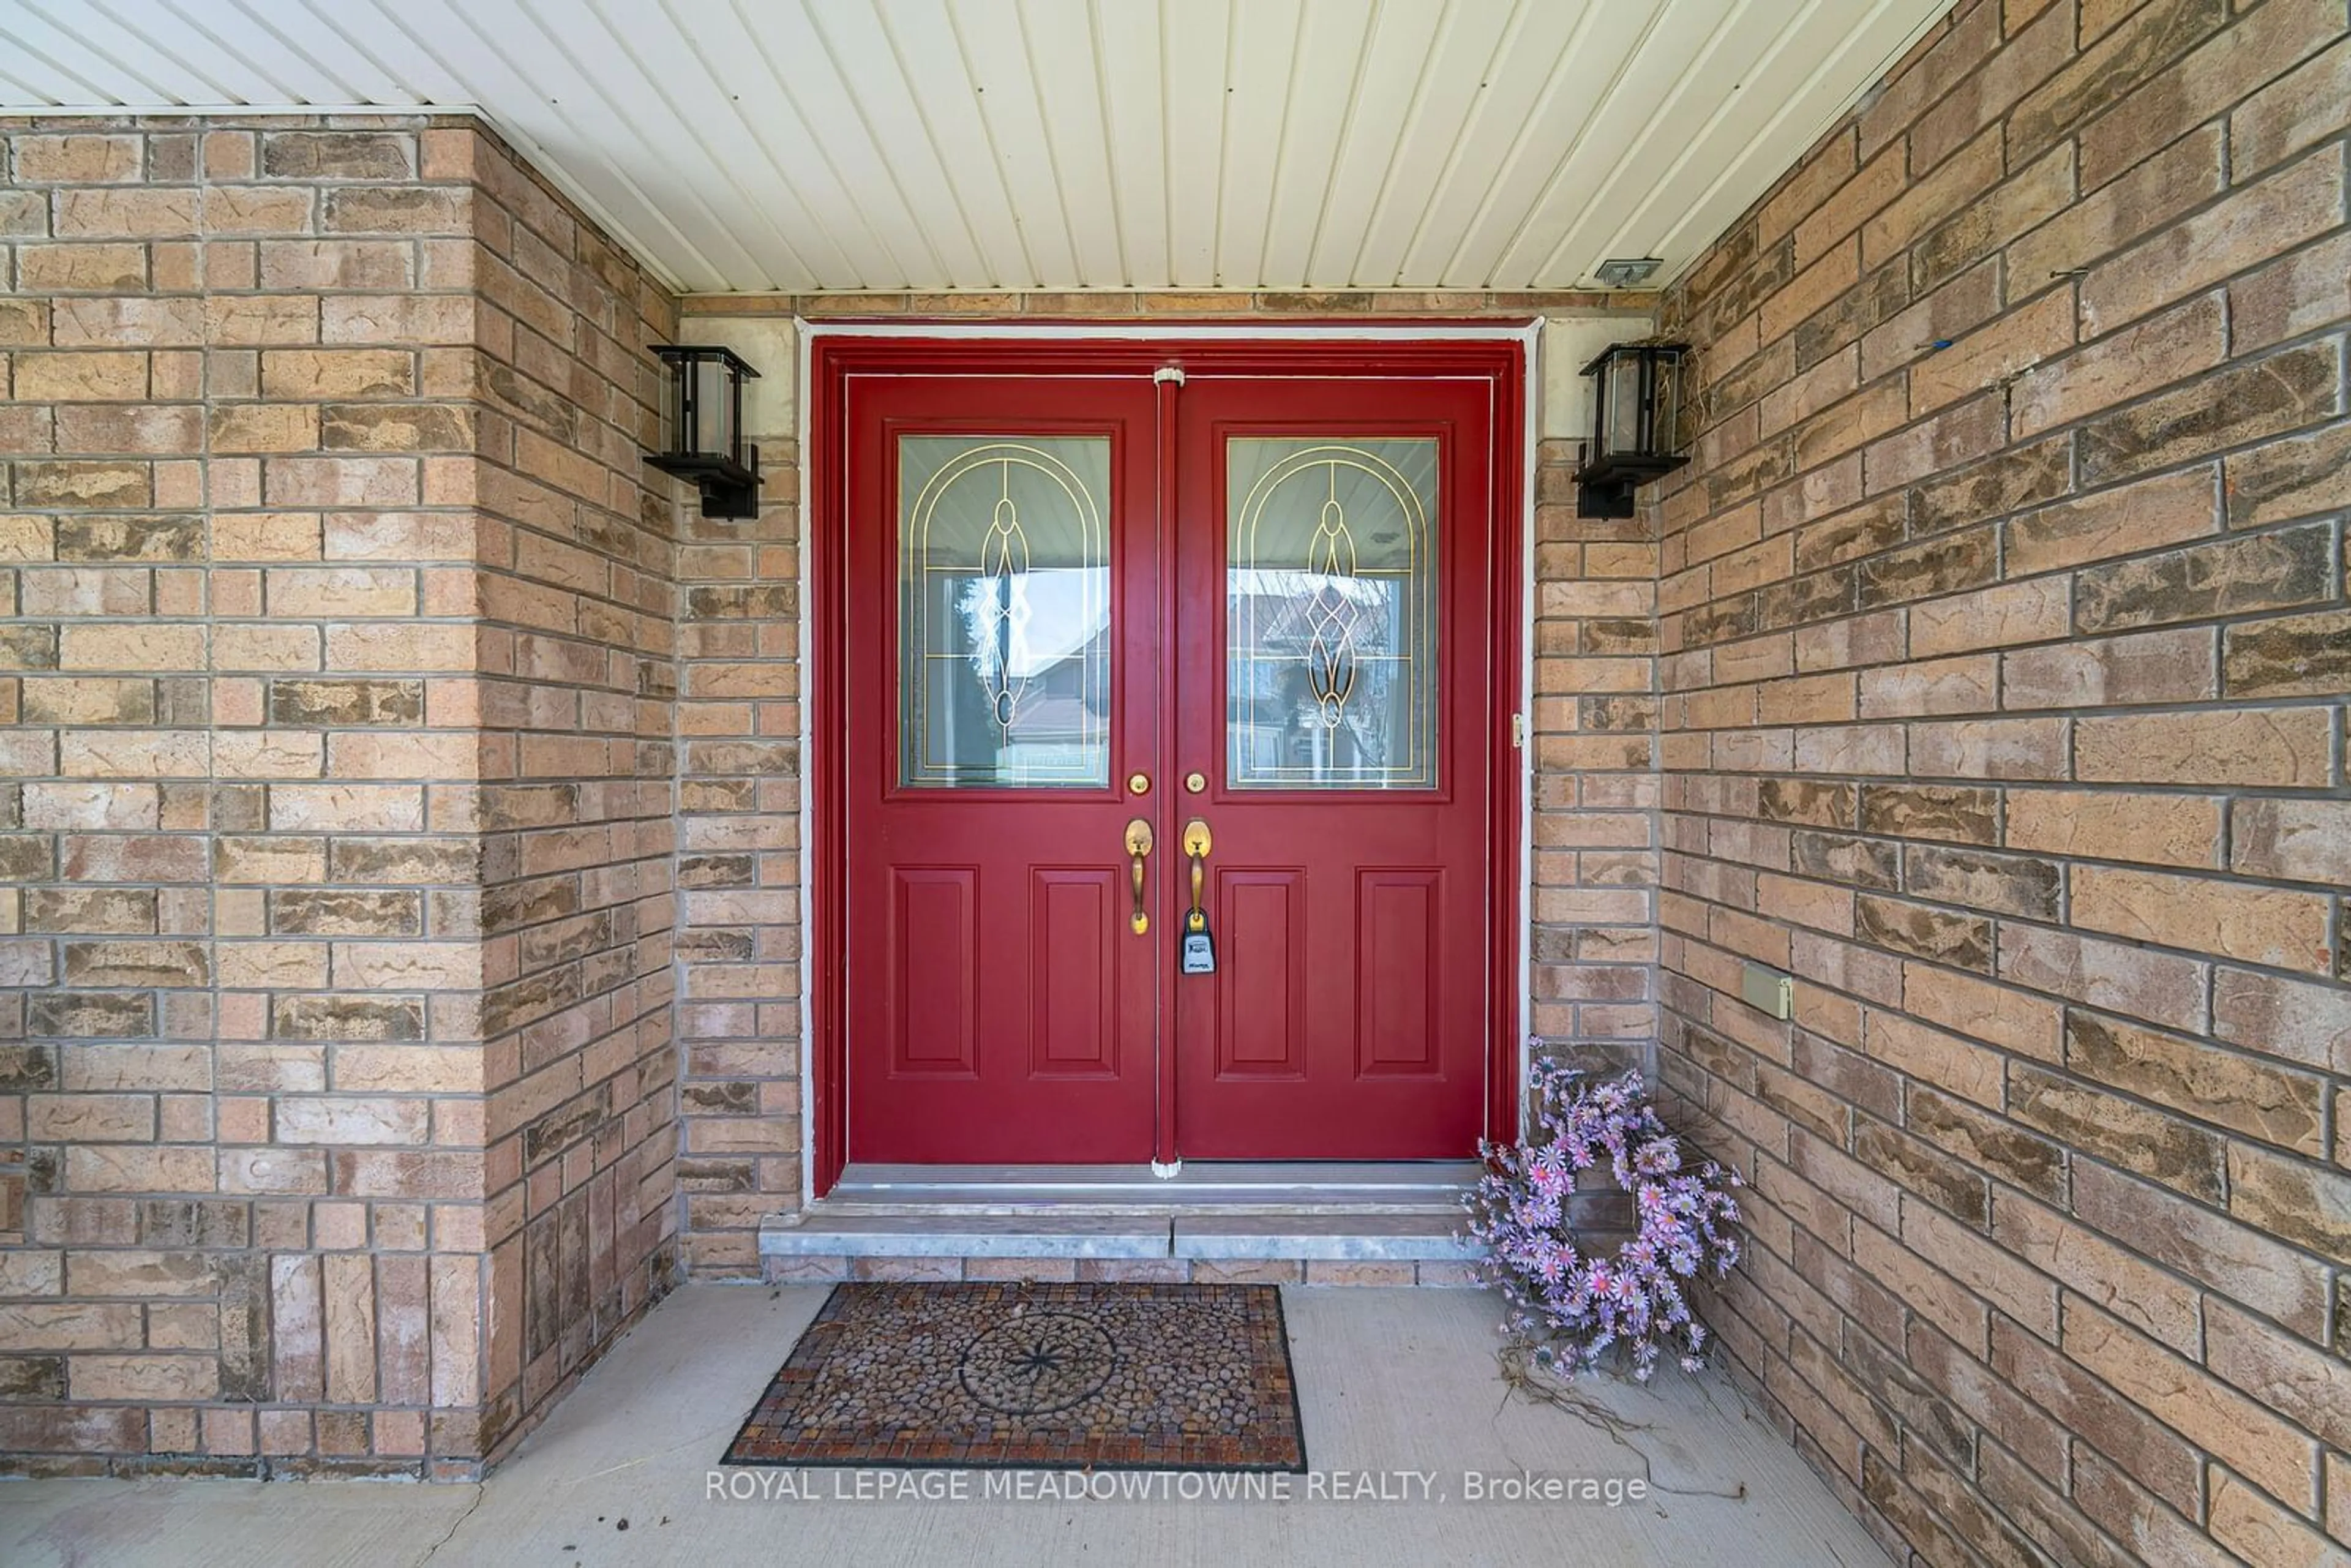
x: 1390, y: 1381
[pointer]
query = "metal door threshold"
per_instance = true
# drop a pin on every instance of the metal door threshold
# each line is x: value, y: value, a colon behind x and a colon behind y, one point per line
x: 1273, y: 1188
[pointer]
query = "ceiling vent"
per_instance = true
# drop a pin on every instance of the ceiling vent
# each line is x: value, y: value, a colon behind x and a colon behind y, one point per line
x: 1627, y: 271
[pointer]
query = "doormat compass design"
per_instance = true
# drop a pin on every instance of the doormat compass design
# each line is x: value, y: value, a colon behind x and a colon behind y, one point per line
x: 1101, y: 1377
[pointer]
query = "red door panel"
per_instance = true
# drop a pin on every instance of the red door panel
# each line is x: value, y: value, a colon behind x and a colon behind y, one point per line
x: 1345, y: 667
x: 1397, y: 1016
x: 1073, y: 936
x: 999, y: 1008
x: 933, y: 971
x: 1261, y: 1025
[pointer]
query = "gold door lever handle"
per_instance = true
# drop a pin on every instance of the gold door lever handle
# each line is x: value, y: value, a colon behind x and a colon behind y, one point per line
x: 1138, y: 846
x: 1196, y: 844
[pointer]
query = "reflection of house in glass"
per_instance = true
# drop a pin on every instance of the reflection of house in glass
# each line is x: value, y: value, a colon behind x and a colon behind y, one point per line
x: 1034, y: 696
x: 1005, y: 615
x: 1315, y: 692
x: 1331, y: 613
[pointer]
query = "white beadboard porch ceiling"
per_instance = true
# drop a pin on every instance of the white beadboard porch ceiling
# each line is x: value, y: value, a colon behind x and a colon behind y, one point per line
x: 795, y: 145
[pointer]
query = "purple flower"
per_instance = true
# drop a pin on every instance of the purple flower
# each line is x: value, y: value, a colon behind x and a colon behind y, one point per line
x: 1658, y: 1156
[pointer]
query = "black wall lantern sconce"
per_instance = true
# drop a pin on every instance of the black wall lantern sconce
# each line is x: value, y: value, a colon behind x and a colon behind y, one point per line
x: 702, y: 428
x: 1636, y: 400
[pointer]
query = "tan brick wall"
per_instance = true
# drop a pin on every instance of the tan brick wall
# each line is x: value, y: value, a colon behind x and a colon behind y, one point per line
x: 738, y: 867
x: 334, y: 1114
x: 577, y: 617
x: 1593, y: 777
x: 2004, y: 647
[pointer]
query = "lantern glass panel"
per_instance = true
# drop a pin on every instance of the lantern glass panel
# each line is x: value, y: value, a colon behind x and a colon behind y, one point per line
x: 1664, y: 434
x: 673, y: 426
x: 714, y: 397
x: 1620, y: 433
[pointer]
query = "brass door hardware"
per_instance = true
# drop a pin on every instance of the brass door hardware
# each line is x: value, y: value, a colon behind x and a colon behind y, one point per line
x: 1198, y: 949
x: 1138, y: 846
x: 1196, y: 845
x: 1138, y: 784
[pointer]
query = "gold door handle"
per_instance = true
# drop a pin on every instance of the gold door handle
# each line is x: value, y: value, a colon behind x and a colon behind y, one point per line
x: 1138, y: 846
x: 1196, y: 844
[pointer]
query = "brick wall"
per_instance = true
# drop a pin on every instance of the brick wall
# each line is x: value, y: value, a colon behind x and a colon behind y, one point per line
x: 2004, y: 648
x: 334, y: 1110
x: 738, y: 870
x: 1595, y: 777
x: 577, y: 625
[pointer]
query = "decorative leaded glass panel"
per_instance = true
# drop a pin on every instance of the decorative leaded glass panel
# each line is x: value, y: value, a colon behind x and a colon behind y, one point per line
x: 1331, y: 619
x: 1004, y: 633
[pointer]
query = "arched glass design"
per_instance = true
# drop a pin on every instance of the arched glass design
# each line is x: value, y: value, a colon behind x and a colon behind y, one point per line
x: 1004, y: 623
x: 1331, y: 614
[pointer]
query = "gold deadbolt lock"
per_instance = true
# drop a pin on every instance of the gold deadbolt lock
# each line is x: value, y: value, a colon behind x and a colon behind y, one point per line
x: 1195, y: 782
x: 1138, y: 783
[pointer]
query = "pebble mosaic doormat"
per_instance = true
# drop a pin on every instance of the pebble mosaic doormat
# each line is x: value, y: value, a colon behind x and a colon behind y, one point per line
x: 1102, y: 1376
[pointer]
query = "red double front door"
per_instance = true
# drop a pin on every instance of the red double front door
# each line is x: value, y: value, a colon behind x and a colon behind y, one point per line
x: 1109, y: 639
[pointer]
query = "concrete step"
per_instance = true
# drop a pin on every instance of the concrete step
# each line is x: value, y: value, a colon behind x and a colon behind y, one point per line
x: 1361, y: 1223
x: 831, y: 1230
x: 1356, y: 1238
x: 835, y: 1232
